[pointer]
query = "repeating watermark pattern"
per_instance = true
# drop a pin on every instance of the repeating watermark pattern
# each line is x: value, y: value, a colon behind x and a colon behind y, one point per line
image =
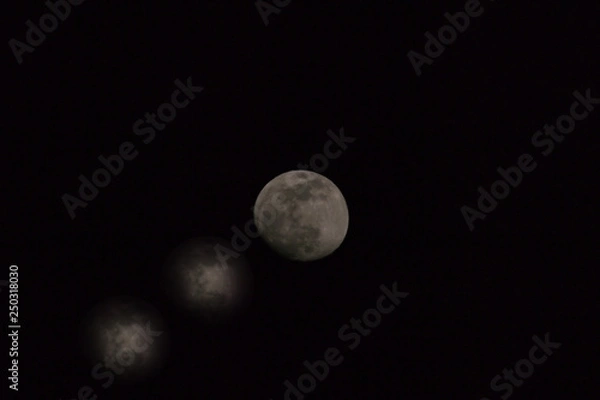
x: 446, y: 35
x: 512, y: 176
x: 241, y: 240
x: 265, y: 8
x: 114, y: 164
x: 13, y: 326
x: 351, y: 334
x: 524, y: 368
x: 132, y: 341
x: 48, y: 23
x: 320, y: 162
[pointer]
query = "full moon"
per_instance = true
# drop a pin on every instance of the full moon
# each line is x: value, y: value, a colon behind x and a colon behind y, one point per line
x: 125, y: 337
x: 208, y: 279
x: 301, y: 215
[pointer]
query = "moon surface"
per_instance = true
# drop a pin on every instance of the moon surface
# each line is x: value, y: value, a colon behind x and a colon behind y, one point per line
x: 301, y: 215
x: 125, y: 336
x: 208, y: 279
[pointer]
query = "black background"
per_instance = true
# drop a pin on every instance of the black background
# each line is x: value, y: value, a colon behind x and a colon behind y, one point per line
x: 423, y: 146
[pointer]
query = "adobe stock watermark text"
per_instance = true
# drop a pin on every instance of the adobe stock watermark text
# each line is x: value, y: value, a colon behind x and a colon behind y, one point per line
x: 524, y: 368
x: 351, y: 335
x: 435, y: 46
x: 13, y: 326
x: 266, y: 8
x: 544, y: 139
x: 47, y: 23
x: 142, y: 338
x: 146, y: 128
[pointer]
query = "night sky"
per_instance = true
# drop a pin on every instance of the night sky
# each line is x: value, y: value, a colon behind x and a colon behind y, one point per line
x: 417, y: 149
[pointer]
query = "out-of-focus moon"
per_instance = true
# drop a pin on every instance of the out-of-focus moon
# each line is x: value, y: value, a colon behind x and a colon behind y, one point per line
x: 125, y: 336
x: 302, y: 215
x: 208, y: 279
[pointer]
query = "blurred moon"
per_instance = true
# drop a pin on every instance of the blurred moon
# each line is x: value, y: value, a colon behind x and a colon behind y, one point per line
x: 302, y: 215
x: 126, y: 336
x: 208, y: 279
